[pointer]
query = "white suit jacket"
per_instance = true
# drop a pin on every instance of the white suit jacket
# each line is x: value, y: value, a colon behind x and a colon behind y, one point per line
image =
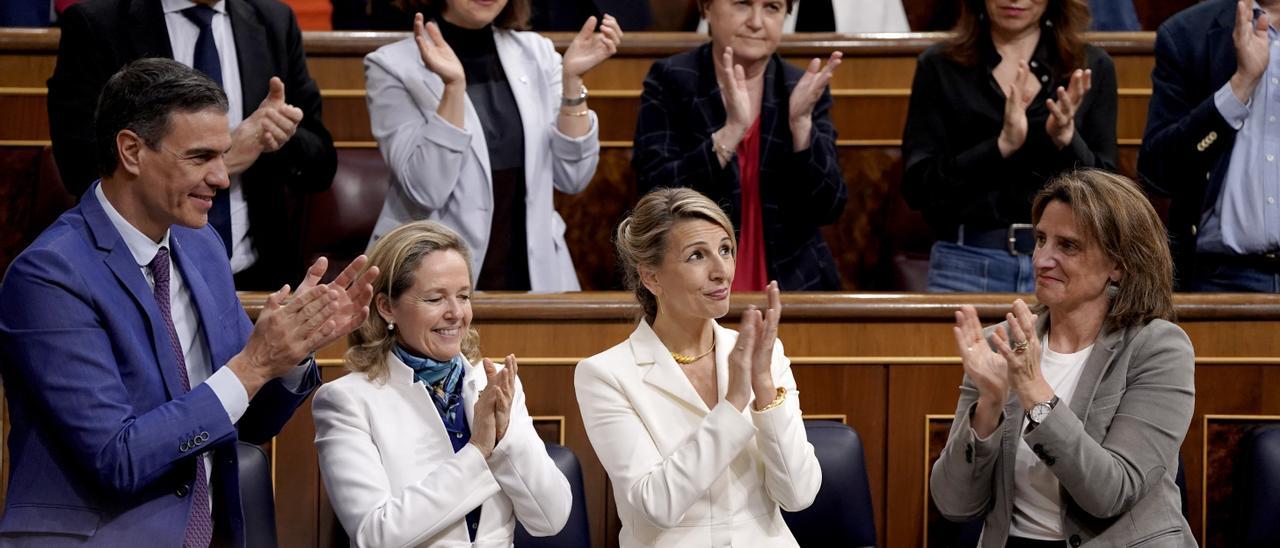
x: 394, y: 480
x: 685, y: 475
x: 441, y: 172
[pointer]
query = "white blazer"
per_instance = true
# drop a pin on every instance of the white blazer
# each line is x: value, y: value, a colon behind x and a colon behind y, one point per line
x: 394, y: 480
x: 684, y: 475
x: 441, y: 172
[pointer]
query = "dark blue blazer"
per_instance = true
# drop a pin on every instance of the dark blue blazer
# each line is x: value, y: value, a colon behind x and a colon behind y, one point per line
x: 99, y: 422
x: 1187, y: 144
x: 799, y: 191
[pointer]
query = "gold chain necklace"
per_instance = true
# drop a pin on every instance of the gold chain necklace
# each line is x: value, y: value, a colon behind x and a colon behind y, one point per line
x: 686, y: 360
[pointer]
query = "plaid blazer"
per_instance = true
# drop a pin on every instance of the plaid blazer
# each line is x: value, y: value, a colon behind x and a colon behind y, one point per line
x: 799, y: 191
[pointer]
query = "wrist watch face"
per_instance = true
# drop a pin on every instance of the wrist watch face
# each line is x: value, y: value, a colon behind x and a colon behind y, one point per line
x: 1039, y: 412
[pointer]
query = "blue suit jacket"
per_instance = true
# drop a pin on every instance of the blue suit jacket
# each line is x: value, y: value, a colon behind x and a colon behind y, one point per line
x: 1187, y: 144
x: 99, y: 419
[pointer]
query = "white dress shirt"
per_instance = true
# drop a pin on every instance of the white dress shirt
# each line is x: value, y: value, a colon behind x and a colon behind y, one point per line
x: 182, y: 38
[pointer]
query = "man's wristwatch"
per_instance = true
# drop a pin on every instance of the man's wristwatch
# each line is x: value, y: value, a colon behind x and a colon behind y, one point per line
x: 1040, y: 411
x: 575, y: 101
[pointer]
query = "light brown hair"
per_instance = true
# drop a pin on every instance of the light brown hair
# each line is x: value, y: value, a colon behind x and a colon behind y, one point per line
x: 397, y: 256
x: 641, y: 239
x: 1111, y: 210
x: 1064, y: 20
x: 514, y: 16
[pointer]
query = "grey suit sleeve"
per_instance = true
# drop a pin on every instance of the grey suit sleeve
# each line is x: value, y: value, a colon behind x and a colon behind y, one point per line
x: 963, y: 478
x: 1107, y: 479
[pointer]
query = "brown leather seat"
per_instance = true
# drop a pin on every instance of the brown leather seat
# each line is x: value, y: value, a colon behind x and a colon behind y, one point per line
x: 31, y: 198
x: 337, y: 223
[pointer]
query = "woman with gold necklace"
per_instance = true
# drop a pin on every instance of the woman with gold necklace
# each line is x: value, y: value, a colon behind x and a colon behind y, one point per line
x: 698, y: 426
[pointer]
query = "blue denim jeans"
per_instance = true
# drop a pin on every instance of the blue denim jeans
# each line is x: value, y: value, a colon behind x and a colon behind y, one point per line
x: 962, y: 268
x: 1233, y: 279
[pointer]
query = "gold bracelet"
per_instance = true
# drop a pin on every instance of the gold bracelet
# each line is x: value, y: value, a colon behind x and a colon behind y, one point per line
x: 579, y: 114
x: 777, y: 400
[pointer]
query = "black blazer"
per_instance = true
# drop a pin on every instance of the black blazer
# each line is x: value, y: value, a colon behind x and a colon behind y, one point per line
x: 799, y: 191
x: 1187, y: 144
x: 101, y: 36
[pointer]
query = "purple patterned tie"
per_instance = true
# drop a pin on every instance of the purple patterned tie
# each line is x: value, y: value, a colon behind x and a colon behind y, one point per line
x: 200, y: 523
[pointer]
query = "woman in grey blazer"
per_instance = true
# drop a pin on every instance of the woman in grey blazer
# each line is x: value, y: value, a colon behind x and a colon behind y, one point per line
x: 1070, y: 418
x: 478, y: 122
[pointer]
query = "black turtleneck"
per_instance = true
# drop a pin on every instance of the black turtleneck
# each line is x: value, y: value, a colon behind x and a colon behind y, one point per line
x: 506, y: 261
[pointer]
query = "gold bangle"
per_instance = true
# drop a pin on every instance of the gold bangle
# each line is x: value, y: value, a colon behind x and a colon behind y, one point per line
x: 578, y: 114
x: 777, y: 400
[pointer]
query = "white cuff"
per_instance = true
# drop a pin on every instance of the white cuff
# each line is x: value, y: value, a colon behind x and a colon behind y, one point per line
x: 1230, y: 107
x: 226, y: 385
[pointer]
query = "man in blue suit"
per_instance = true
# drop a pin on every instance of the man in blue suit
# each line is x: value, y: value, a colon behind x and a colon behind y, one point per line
x: 129, y: 364
x: 1213, y: 125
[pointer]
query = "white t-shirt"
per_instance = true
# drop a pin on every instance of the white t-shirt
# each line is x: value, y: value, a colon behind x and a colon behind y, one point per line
x: 1037, y: 508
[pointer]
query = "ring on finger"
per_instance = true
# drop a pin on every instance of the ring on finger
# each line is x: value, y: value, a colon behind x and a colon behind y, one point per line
x: 1020, y: 346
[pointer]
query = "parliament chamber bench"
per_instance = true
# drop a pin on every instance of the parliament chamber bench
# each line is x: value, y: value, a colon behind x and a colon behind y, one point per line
x: 879, y: 243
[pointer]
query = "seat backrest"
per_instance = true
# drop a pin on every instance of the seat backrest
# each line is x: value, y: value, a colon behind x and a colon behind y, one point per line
x: 576, y: 531
x: 1256, y: 489
x: 256, y: 496
x: 841, y: 515
x: 338, y: 222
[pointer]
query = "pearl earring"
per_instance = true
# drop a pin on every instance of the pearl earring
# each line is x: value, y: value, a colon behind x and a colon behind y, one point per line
x: 391, y: 326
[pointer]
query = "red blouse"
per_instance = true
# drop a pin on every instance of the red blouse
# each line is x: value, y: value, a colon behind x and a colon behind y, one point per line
x: 752, y: 274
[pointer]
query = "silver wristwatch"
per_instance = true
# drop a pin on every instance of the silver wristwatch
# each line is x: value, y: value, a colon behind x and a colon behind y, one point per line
x: 575, y: 101
x: 1040, y: 411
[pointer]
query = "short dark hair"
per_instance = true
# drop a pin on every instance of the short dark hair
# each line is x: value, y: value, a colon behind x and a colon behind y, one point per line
x: 515, y: 16
x: 140, y: 98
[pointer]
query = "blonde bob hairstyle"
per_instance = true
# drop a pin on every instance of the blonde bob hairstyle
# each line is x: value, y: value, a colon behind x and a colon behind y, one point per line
x: 397, y: 256
x: 1111, y: 210
x: 641, y: 239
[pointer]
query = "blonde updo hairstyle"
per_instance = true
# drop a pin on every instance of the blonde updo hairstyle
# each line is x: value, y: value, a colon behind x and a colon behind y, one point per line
x: 398, y: 255
x: 641, y: 239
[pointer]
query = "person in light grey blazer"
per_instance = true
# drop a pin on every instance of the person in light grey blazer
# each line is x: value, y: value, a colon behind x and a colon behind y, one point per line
x: 1070, y: 418
x: 478, y: 122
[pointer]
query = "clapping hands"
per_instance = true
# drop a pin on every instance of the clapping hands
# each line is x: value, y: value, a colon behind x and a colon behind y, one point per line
x: 492, y: 411
x: 805, y: 96
x: 590, y: 48
x: 751, y: 360
x: 1061, y: 125
x: 295, y: 324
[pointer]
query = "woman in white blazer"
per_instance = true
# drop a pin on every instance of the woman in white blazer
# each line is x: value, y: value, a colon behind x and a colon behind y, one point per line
x: 479, y: 128
x: 698, y: 426
x: 418, y: 446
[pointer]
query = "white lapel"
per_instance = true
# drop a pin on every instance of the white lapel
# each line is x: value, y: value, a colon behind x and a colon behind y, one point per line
x: 660, y: 370
x: 400, y: 378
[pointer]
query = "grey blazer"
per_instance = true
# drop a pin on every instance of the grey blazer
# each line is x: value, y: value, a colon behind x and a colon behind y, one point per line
x: 1114, y: 450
